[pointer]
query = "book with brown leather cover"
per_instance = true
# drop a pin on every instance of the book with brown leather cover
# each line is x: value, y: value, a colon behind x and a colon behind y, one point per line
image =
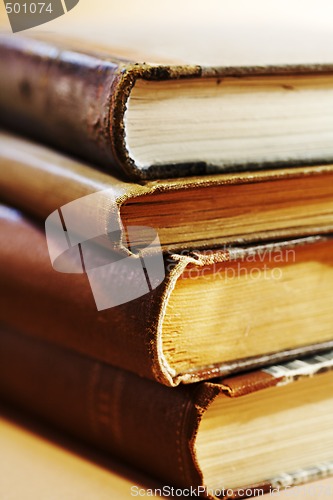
x: 75, y: 98
x: 153, y: 427
x: 60, y: 307
x: 187, y: 214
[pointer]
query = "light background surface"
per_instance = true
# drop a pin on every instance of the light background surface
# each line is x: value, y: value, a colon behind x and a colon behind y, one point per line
x: 217, y: 32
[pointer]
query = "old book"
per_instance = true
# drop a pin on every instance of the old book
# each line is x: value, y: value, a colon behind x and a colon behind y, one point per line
x: 34, y: 456
x: 244, y: 434
x: 165, y: 120
x: 215, y: 312
x: 191, y: 213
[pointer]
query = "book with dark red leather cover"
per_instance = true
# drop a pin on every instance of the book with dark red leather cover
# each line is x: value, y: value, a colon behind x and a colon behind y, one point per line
x: 59, y: 307
x: 146, y: 424
x: 190, y: 213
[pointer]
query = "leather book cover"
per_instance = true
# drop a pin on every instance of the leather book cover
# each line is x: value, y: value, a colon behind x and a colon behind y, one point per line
x: 235, y: 207
x: 148, y: 425
x: 60, y: 307
x: 75, y: 98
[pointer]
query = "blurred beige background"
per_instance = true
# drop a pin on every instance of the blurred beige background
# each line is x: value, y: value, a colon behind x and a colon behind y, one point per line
x: 217, y: 32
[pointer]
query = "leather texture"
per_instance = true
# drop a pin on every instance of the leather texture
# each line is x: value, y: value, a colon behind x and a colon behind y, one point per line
x: 75, y: 99
x: 150, y: 426
x: 60, y: 308
x: 39, y: 181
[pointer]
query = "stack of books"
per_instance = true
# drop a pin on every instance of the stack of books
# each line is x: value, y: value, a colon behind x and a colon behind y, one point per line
x: 167, y: 267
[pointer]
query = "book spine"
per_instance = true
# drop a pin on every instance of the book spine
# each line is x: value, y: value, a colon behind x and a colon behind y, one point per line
x: 60, y: 307
x: 146, y: 424
x: 75, y: 100
x: 61, y: 96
